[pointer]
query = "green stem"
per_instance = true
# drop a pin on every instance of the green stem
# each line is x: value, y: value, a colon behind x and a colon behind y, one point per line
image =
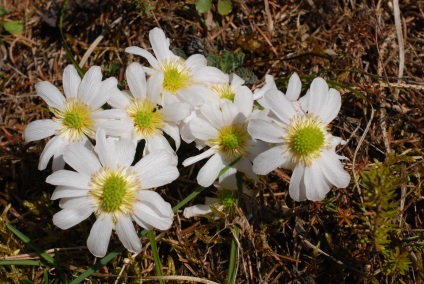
x: 159, y: 272
x: 65, y: 44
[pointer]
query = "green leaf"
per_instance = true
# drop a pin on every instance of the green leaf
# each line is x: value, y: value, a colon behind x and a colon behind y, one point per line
x: 224, y: 7
x: 14, y: 27
x: 28, y: 241
x: 2, y: 11
x: 203, y: 5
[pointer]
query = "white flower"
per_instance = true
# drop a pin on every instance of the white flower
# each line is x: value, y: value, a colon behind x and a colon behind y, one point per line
x: 148, y: 119
x: 220, y: 91
x: 302, y: 141
x: 77, y: 115
x: 116, y: 192
x: 179, y: 80
x: 223, y: 128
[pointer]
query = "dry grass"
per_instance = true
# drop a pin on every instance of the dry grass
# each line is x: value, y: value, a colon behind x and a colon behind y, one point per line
x: 351, y: 43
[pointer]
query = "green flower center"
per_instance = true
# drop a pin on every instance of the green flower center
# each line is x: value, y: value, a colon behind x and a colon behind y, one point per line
x: 143, y: 119
x: 232, y: 140
x: 148, y: 120
x: 227, y: 198
x: 307, y: 140
x: 176, y: 76
x: 75, y: 119
x: 114, y: 191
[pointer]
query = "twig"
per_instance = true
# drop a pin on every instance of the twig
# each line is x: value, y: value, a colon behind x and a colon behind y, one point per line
x: 398, y: 24
x: 356, y: 153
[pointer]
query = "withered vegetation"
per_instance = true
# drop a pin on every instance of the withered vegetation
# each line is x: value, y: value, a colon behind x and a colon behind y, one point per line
x: 370, y: 232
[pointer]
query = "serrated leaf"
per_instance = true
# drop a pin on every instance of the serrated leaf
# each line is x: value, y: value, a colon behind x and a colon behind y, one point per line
x: 203, y: 5
x: 14, y: 27
x: 224, y: 7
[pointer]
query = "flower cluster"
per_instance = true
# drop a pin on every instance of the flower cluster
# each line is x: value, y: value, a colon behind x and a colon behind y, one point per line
x: 177, y: 99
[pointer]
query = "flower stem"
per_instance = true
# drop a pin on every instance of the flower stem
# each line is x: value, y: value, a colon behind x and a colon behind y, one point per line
x: 159, y: 272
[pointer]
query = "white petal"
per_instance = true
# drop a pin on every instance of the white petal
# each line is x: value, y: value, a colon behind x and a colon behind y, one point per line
x: 209, y: 172
x: 210, y: 74
x: 270, y: 160
x: 69, y: 217
x: 69, y: 178
x: 297, y: 188
x: 153, y: 211
x: 333, y: 170
x: 156, y: 169
x: 119, y: 99
x: 58, y: 163
x: 196, y: 61
x: 110, y: 114
x: 243, y: 100
x: 265, y: 131
x: 99, y: 237
x: 160, y: 44
x: 154, y: 87
x: 174, y: 132
x: 236, y: 81
x: 71, y: 81
x: 40, y: 129
x: 194, y: 95
x: 81, y: 159
x: 280, y: 105
x: 202, y: 130
x: 113, y: 152
x: 72, y: 202
x: 50, y: 94
x: 201, y: 156
x: 294, y: 88
x: 54, y: 147
x: 315, y: 183
x: 136, y: 79
x: 176, y: 112
x: 245, y: 166
x: 116, y: 128
x: 90, y: 85
x: 269, y: 85
x: 156, y: 142
x: 156, y: 201
x: 127, y: 234
x: 332, y: 106
x: 317, y: 96
x: 213, y: 114
x: 227, y: 180
x: 62, y: 191
x: 197, y: 210
x: 143, y: 53
x: 107, y: 89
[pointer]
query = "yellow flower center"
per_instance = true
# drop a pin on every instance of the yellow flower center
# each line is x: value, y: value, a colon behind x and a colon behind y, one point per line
x: 146, y: 117
x: 176, y: 76
x: 114, y: 191
x: 306, y: 138
x: 75, y: 120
